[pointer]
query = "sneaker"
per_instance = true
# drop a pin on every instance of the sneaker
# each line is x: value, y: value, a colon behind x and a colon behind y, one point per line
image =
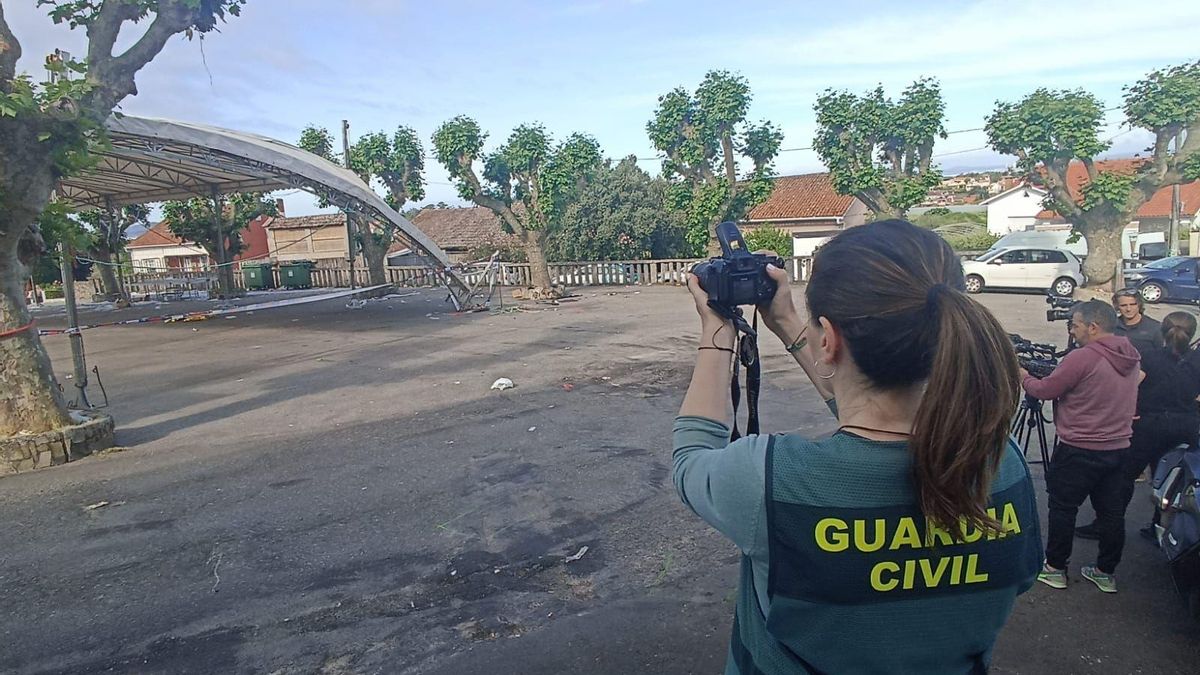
x: 1087, y: 532
x: 1149, y: 532
x: 1105, y: 582
x: 1052, y: 577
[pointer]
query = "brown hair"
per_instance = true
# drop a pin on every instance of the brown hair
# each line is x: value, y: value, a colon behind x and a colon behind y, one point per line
x: 896, y: 293
x: 1178, y: 329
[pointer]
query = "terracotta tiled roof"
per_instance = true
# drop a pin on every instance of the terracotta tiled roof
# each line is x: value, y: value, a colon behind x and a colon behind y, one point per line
x: 806, y: 196
x: 158, y: 235
x: 1158, y: 206
x: 464, y: 228
x: 307, y: 222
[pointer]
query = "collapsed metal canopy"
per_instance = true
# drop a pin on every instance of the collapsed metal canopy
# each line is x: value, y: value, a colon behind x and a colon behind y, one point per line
x: 153, y: 160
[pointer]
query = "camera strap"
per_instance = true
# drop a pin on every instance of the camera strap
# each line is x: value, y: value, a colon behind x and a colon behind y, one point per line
x: 746, y: 354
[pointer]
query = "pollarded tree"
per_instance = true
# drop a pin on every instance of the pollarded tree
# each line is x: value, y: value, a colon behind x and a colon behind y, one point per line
x: 46, y: 129
x: 528, y: 182
x: 704, y: 137
x: 193, y: 221
x: 107, y: 233
x: 620, y: 215
x: 769, y: 237
x: 397, y: 162
x: 879, y: 150
x: 1047, y: 130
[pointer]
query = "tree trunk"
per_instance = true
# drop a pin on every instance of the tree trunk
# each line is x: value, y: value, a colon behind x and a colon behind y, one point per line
x: 226, y: 282
x: 108, y: 273
x: 375, y: 254
x: 29, y: 397
x: 1104, y: 250
x: 538, y: 269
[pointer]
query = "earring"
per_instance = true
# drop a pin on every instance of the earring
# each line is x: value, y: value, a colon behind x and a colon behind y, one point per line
x: 824, y: 377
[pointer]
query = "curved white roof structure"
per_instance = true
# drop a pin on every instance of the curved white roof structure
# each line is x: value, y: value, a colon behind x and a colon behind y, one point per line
x: 152, y: 160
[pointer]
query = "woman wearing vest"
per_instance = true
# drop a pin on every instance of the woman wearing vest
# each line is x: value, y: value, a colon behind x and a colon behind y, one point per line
x: 899, y: 544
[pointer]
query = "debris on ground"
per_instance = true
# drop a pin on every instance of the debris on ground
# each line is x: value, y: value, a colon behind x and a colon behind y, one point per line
x: 100, y: 505
x: 532, y: 429
x: 502, y: 384
x: 572, y: 558
x: 567, y: 386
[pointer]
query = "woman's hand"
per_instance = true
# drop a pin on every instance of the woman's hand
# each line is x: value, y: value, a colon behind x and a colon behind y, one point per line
x: 780, y: 315
x: 715, y: 330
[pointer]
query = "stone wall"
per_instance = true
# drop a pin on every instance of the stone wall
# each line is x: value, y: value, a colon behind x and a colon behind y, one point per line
x: 92, y: 433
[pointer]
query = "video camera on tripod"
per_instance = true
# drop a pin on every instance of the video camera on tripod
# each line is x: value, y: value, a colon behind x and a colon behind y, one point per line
x: 1039, y: 359
x: 1060, y: 308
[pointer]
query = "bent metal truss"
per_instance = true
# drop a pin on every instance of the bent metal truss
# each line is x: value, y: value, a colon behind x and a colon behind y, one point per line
x: 154, y: 160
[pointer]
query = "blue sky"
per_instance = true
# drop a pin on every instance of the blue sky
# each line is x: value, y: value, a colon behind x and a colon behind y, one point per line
x: 597, y: 66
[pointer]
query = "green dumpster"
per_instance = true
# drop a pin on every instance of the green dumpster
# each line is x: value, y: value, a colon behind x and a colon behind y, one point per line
x: 258, y: 276
x: 296, y: 274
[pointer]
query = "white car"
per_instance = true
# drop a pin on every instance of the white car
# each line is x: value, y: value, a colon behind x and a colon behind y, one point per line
x: 1055, y: 270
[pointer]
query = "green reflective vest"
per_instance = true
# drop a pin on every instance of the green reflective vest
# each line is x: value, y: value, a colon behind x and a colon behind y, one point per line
x: 860, y: 582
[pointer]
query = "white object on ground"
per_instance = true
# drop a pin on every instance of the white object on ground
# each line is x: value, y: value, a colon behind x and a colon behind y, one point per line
x: 502, y: 384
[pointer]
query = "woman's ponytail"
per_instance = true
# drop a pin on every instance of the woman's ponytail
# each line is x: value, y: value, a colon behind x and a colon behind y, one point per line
x: 1178, y: 329
x: 963, y: 419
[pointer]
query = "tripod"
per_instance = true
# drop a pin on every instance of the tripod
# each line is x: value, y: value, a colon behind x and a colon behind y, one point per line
x: 1030, y: 416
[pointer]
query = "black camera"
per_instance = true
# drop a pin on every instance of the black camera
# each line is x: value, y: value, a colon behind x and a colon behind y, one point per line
x: 738, y: 277
x: 1060, y: 307
x: 1038, y: 359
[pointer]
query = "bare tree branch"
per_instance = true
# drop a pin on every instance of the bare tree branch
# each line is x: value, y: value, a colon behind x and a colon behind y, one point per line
x: 1056, y: 181
x: 104, y: 29
x: 482, y: 199
x: 10, y: 49
x: 116, y: 75
x: 730, y: 160
x: 1090, y: 165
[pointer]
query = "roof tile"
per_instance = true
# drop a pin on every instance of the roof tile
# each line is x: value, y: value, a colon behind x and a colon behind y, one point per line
x: 805, y: 196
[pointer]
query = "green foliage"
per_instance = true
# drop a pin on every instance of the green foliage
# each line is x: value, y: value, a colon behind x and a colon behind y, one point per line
x: 1048, y: 127
x: 619, y: 215
x: 1168, y: 98
x: 1109, y: 189
x: 457, y: 144
x: 703, y: 137
x: 967, y: 237
x: 768, y: 237
x: 529, y: 171
x: 192, y: 220
x: 57, y: 227
x: 940, y: 217
x: 879, y: 150
x: 205, y: 13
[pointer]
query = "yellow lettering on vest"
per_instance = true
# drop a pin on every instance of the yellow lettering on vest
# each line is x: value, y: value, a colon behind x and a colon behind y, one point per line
x: 933, y: 576
x: 933, y: 531
x: 1008, y: 521
x: 970, y: 534
x: 992, y: 534
x: 906, y: 535
x: 877, y: 581
x: 956, y: 571
x: 836, y: 541
x: 973, y: 576
x: 860, y: 535
x: 910, y: 574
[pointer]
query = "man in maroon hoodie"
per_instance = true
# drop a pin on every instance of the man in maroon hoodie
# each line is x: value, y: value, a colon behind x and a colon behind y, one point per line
x: 1094, y: 391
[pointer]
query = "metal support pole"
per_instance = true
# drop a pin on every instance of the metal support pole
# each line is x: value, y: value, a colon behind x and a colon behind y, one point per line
x: 217, y: 221
x: 349, y: 220
x: 1173, y: 230
x: 67, y: 266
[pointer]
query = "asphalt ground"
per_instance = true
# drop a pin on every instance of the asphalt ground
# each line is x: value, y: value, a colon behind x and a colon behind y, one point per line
x: 326, y: 489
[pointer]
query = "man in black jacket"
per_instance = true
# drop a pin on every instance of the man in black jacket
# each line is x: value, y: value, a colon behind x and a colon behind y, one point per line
x: 1145, y: 333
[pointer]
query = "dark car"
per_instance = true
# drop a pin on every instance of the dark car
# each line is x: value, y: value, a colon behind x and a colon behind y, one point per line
x: 1176, y: 278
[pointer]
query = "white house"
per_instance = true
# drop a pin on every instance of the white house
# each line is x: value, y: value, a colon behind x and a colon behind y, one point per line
x: 1014, y: 210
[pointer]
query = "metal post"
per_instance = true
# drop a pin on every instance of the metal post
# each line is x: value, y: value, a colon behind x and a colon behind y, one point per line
x: 217, y: 220
x: 1173, y: 230
x: 349, y: 220
x: 68, y: 280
